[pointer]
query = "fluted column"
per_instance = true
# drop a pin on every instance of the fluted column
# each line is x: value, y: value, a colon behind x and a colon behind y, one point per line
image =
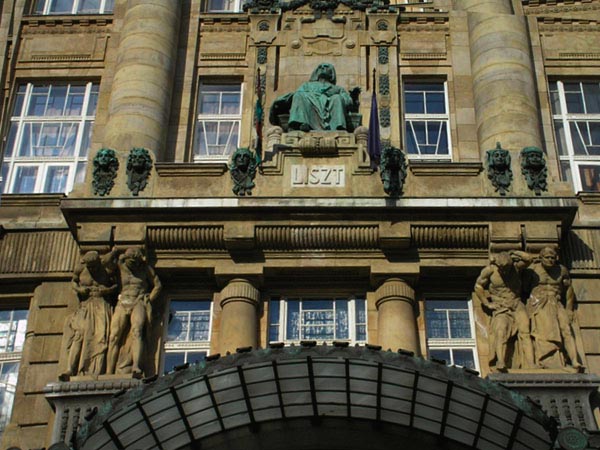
x: 396, y: 322
x: 141, y: 92
x: 239, y: 318
x: 503, y: 76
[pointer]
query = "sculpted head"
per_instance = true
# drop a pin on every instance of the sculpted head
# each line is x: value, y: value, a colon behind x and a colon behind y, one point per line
x: 133, y: 257
x: 504, y: 262
x: 534, y: 157
x: 548, y: 257
x: 91, y: 259
x: 139, y: 160
x: 324, y: 72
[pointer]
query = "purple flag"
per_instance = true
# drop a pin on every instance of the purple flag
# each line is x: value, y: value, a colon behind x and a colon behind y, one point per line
x: 373, y: 138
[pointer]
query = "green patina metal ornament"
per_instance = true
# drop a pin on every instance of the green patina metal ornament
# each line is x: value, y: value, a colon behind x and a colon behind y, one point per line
x: 533, y: 167
x: 106, y: 166
x: 392, y: 168
x: 499, y: 171
x: 139, y: 165
x: 242, y: 169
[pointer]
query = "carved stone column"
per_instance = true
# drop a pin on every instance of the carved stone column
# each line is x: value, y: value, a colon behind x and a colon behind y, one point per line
x: 503, y: 76
x: 396, y: 323
x: 239, y: 319
x: 143, y: 82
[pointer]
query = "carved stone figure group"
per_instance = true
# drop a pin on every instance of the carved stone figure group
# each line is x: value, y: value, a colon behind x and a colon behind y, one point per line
x: 104, y: 336
x: 531, y: 303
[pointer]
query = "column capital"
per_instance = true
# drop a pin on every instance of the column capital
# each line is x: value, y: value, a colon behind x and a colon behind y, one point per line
x: 240, y: 290
x: 394, y: 289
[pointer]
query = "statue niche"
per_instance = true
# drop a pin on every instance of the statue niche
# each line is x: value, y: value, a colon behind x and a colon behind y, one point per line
x: 318, y: 105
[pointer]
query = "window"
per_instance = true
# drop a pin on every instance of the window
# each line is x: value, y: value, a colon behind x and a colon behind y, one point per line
x: 218, y: 126
x: 329, y: 319
x: 426, y: 121
x: 49, y: 137
x: 73, y: 6
x: 188, y: 333
x: 13, y: 325
x: 450, y: 332
x: 576, y: 114
x: 225, y: 5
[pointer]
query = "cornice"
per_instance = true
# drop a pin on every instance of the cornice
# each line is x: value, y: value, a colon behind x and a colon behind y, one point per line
x: 25, y: 200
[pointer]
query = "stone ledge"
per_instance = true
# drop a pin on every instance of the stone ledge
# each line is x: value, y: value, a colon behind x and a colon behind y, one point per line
x: 420, y: 169
x: 200, y: 169
x: 589, y: 198
x: 21, y: 200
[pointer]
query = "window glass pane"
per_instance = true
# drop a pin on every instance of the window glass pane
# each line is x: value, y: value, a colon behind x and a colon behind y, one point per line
x: 565, y: 171
x: 56, y: 100
x: 579, y: 137
x: 194, y: 357
x: 591, y: 93
x: 173, y: 359
x: 443, y: 148
x: 13, y: 325
x: 411, y: 143
x: 56, y: 179
x: 61, y: 6
x: 464, y: 358
x: 75, y: 100
x: 178, y: 327
x: 561, y: 142
x: 292, y: 331
x: 89, y: 6
x: 93, y: 100
x: 342, y: 324
x: 209, y: 103
x: 414, y: 103
x: 460, y: 326
x: 39, y: 6
x: 86, y: 139
x: 590, y: 177
x: 8, y: 381
x: 230, y: 103
x: 4, y: 184
x: 574, y: 103
x: 10, y: 142
x: 274, y: 311
x: 436, y: 103
x: 37, y: 102
x: 442, y: 354
x: 555, y: 101
x: 25, y: 178
x: 109, y: 6
x: 80, y: 173
x: 437, y: 324
x: 199, y: 326
x: 19, y: 99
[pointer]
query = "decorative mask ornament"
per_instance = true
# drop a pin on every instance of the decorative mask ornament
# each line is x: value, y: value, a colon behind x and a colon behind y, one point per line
x: 392, y: 167
x: 139, y: 164
x: 106, y: 166
x: 499, y: 171
x: 533, y: 166
x: 243, y: 170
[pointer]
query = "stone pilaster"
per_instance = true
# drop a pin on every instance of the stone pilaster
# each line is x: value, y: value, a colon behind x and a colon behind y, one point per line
x: 141, y: 93
x: 239, y: 318
x: 396, y: 323
x: 503, y: 76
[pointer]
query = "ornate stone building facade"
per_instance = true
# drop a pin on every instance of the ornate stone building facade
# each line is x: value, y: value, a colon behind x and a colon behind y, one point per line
x: 183, y: 180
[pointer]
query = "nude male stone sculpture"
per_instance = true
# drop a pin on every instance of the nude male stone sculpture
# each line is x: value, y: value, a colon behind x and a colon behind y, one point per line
x: 551, y: 307
x: 140, y: 287
x: 502, y: 280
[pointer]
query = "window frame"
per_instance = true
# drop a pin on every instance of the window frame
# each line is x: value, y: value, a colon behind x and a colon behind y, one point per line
x: 426, y: 117
x: 283, y: 312
x: 188, y: 346
x: 219, y: 118
x: 571, y: 161
x: 75, y: 162
x: 237, y: 7
x: 12, y: 357
x: 46, y: 9
x: 453, y: 343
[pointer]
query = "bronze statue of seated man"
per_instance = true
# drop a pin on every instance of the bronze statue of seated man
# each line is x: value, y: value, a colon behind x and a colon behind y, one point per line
x: 318, y: 104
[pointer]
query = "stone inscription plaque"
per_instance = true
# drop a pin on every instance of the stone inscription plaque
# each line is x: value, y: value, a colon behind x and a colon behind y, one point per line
x: 318, y: 176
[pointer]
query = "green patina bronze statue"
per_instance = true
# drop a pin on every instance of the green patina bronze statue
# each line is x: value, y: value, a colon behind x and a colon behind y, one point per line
x: 318, y: 104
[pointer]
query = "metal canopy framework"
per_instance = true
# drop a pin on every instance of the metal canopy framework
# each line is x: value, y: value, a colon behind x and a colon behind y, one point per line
x: 247, y: 389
